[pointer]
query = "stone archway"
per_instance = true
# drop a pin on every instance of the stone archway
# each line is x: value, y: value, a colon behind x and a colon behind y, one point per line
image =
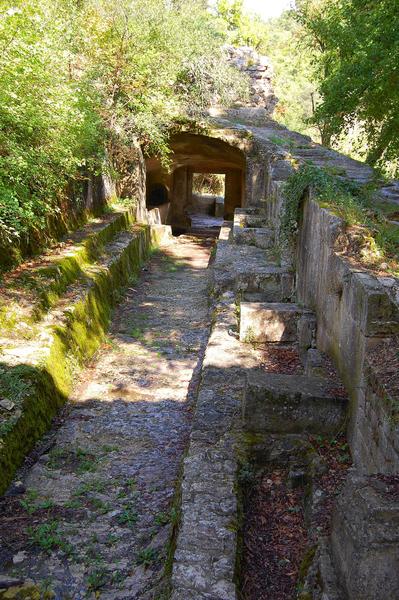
x: 194, y: 153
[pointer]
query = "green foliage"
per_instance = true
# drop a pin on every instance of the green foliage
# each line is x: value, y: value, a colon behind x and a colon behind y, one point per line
x: 128, y: 516
x: 243, y: 29
x: 47, y: 124
x: 292, y: 80
x: 82, y: 81
x: 162, y: 519
x: 355, y: 45
x: 378, y: 240
x: 97, y: 579
x: 49, y: 538
x: 30, y: 504
x: 208, y: 183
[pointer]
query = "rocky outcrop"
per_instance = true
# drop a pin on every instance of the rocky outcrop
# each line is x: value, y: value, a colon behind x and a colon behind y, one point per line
x: 259, y: 70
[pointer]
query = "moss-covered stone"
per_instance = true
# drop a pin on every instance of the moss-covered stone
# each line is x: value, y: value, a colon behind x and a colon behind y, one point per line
x: 47, y: 283
x: 71, y: 342
x: 27, y: 591
x: 305, y: 564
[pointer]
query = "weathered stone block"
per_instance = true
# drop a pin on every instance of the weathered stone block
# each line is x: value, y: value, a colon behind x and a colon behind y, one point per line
x: 368, y: 299
x: 219, y: 206
x: 270, y: 321
x: 249, y: 217
x: 281, y: 170
x: 291, y: 404
x: 244, y: 270
x: 365, y: 538
x: 306, y: 332
x: 262, y: 237
x: 376, y: 447
x: 314, y: 364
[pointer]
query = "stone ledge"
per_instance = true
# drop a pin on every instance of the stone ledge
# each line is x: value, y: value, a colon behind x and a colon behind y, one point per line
x: 261, y: 237
x: 291, y: 404
x: 247, y: 269
x: 51, y: 274
x: 274, y: 322
x: 204, y: 564
x: 70, y: 336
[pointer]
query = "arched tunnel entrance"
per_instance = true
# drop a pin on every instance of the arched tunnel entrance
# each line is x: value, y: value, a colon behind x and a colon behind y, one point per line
x: 177, y: 193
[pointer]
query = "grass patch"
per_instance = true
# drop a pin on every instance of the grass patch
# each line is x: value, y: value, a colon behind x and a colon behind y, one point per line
x: 31, y: 505
x: 97, y: 579
x: 79, y: 461
x: 162, y: 519
x: 127, y: 517
x: 48, y: 538
x: 147, y: 557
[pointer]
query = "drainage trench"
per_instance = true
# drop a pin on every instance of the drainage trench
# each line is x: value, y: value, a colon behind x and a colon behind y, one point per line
x: 295, y: 457
x: 267, y: 452
x: 287, y: 489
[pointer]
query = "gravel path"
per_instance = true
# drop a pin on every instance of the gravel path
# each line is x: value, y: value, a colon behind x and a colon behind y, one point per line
x: 96, y: 516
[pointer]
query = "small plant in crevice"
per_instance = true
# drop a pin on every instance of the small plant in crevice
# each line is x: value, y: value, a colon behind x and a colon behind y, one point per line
x: 30, y: 504
x: 100, y: 506
x: 49, y: 538
x: 96, y: 485
x: 97, y: 579
x: 246, y: 474
x: 147, y: 557
x: 249, y: 337
x: 80, y: 460
x: 128, y: 516
x: 162, y: 519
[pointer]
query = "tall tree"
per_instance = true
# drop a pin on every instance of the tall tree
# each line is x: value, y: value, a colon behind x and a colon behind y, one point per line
x: 356, y: 46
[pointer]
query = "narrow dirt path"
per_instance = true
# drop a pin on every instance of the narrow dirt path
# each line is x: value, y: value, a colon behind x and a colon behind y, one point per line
x: 96, y: 515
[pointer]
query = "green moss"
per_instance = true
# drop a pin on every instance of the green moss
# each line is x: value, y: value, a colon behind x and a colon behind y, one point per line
x: 71, y: 345
x: 27, y: 591
x: 8, y: 318
x: 305, y: 596
x: 251, y: 439
x: 305, y: 564
x: 37, y: 409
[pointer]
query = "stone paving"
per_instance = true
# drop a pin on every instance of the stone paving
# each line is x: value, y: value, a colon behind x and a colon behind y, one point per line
x: 96, y: 515
x: 205, y: 558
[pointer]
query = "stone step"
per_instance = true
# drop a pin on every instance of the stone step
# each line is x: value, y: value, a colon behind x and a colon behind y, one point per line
x: 30, y: 291
x: 266, y: 322
x: 250, y: 217
x: 262, y: 237
x: 251, y: 270
x: 41, y: 367
x: 275, y: 403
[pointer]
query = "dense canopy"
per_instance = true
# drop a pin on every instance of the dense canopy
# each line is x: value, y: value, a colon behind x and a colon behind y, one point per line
x: 80, y: 79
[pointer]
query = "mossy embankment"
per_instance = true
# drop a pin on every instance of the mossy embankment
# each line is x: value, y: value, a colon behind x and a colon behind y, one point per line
x: 36, y: 374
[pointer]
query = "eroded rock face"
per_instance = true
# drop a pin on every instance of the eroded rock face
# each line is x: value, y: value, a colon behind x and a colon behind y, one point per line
x: 260, y: 73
